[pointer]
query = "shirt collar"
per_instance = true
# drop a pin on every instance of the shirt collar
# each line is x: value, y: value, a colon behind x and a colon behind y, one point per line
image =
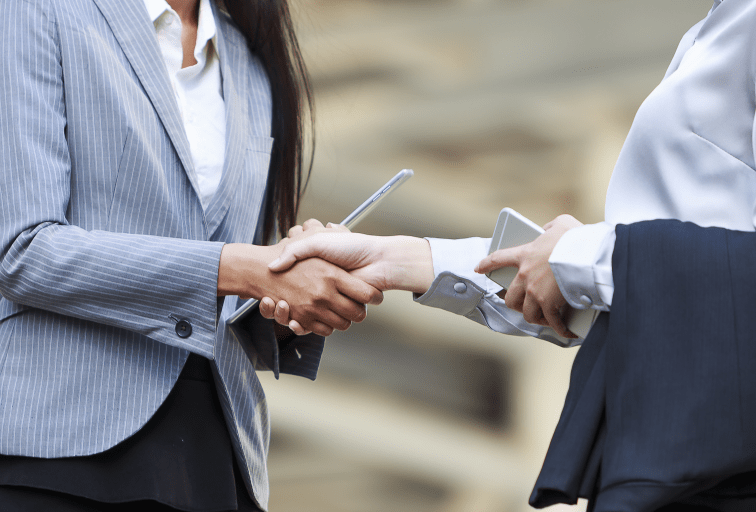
x: 206, y: 29
x: 155, y: 8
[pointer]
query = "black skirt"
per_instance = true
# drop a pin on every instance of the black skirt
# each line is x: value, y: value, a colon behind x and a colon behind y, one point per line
x: 182, y: 458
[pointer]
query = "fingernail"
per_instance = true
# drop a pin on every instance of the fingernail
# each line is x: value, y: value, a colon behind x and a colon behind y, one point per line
x: 273, y: 263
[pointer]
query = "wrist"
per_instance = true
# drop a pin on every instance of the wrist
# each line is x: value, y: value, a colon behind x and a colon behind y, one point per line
x: 243, y: 270
x: 409, y: 264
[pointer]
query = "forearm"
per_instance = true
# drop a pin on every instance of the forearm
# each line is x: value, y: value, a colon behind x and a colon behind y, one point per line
x: 137, y: 282
x: 408, y: 263
x: 243, y: 270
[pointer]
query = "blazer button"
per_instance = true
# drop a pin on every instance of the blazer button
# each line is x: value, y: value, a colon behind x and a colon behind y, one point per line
x: 183, y: 328
x: 460, y: 288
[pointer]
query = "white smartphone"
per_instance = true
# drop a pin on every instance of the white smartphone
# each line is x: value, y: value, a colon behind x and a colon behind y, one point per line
x: 513, y: 229
x: 351, y: 221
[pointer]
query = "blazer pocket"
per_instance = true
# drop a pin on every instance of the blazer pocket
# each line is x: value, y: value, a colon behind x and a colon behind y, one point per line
x: 261, y: 144
x: 151, y: 184
x: 256, y: 168
x: 7, y: 331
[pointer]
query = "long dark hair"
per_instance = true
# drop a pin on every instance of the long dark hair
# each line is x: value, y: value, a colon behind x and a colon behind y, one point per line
x: 267, y: 26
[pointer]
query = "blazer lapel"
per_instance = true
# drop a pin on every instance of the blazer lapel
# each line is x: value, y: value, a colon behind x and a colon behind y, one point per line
x: 135, y: 33
x: 234, y: 93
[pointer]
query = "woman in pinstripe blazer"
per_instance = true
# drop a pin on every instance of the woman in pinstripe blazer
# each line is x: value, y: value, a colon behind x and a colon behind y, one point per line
x: 116, y: 264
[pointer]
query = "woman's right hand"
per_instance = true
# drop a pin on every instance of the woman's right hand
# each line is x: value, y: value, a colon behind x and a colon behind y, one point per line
x: 387, y: 263
x: 321, y: 296
x: 280, y: 310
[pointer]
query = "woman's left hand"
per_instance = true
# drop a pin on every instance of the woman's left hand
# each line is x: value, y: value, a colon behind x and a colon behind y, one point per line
x: 534, y: 291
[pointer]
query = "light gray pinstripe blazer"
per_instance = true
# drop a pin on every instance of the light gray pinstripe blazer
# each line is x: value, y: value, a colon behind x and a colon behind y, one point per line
x: 104, y: 241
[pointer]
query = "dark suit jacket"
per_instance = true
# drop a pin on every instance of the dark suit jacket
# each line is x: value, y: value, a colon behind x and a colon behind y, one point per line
x: 662, y: 399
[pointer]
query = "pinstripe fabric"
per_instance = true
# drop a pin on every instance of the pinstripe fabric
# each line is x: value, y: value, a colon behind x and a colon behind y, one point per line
x: 103, y: 237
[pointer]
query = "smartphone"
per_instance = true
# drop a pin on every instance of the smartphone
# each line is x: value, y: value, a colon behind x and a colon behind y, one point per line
x: 351, y: 221
x: 513, y: 229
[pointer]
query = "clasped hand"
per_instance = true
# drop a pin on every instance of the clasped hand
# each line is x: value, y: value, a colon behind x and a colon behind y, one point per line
x: 405, y: 263
x: 320, y: 296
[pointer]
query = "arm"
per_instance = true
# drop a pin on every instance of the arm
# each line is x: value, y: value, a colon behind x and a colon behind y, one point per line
x: 321, y: 296
x: 128, y: 281
x: 420, y: 266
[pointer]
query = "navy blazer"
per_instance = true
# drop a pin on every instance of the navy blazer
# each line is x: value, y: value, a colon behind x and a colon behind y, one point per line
x: 662, y: 398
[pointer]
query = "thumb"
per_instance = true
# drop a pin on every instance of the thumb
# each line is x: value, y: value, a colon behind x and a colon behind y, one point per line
x: 501, y: 258
x: 292, y: 253
x: 340, y: 228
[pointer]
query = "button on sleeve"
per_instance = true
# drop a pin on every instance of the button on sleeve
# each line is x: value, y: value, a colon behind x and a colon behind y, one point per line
x: 183, y: 328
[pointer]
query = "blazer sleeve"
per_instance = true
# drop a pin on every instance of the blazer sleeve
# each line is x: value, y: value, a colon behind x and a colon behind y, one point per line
x: 141, y: 283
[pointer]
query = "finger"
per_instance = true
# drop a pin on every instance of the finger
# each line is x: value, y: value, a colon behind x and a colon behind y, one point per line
x: 267, y: 308
x: 320, y: 328
x: 498, y: 259
x: 312, y: 224
x: 514, y: 298
x: 297, y: 329
x: 282, y: 312
x: 531, y: 310
x: 331, y: 319
x: 294, y: 231
x: 346, y: 308
x: 338, y: 227
x: 359, y: 291
x: 556, y: 322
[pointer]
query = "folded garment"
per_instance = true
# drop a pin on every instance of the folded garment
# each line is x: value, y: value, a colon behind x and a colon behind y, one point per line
x: 662, y: 400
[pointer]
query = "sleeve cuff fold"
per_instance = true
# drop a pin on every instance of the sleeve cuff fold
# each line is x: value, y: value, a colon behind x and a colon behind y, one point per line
x: 579, y: 264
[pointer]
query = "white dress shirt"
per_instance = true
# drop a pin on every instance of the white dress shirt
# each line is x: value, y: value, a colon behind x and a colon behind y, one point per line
x: 689, y: 155
x: 198, y: 90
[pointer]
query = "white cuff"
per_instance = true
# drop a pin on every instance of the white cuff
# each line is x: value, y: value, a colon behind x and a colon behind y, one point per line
x: 462, y: 297
x: 460, y: 257
x: 582, y: 266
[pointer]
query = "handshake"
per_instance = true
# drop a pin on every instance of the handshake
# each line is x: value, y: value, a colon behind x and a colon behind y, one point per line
x: 321, y: 278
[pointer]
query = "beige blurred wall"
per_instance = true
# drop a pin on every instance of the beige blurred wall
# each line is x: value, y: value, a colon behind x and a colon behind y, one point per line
x: 493, y: 103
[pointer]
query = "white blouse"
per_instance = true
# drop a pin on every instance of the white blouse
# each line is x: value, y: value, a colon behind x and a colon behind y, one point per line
x: 689, y: 154
x: 198, y: 90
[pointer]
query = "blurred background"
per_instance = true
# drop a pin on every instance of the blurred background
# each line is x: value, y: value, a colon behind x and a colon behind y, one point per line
x: 493, y: 103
